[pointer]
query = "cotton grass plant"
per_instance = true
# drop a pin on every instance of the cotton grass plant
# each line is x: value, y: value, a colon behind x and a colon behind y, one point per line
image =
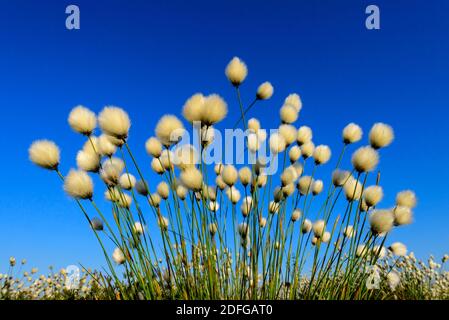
x: 227, y: 231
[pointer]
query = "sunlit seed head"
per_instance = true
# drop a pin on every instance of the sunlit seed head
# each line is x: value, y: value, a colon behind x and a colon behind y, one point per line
x: 124, y: 200
x: 278, y: 194
x: 236, y: 71
x: 105, y: 146
x: 339, y: 177
x: 352, y: 133
x: 406, y: 198
x: 277, y: 143
x: 365, y: 159
x: 262, y: 222
x: 218, y: 168
x: 111, y: 170
x: 373, y: 195
x: 314, y: 241
x: 214, y: 206
x: 264, y: 91
x: 163, y: 223
x: 273, y: 207
x: 304, y: 135
x: 78, y: 184
x: 288, y: 176
x: 294, y: 154
x: 253, y: 142
x: 262, y: 180
x: 192, y: 179
x: 86, y: 161
x: 296, y: 215
x: 363, y: 206
x: 96, y: 224
x: 112, y: 194
x: 167, y: 159
x: 207, y: 135
x: 381, y: 135
x: 243, y: 229
x: 381, y: 221
x: 215, y: 109
x: 379, y: 251
x: 193, y: 108
x: 169, y: 130
x: 118, y: 256
x: 45, y: 154
x: 294, y: 100
x: 115, y: 122
x: 305, y: 184
x: 288, y: 190
x: 220, y: 183
x: 181, y: 192
x: 399, y: 249
x: 157, y: 167
x: 155, y: 200
x: 185, y: 156
x: 138, y: 228
x: 82, y: 120
x: 288, y: 132
x: 209, y: 193
x: 349, y: 232
x: 213, y: 228
x: 393, y: 279
x: 353, y: 189
x: 163, y: 190
x: 245, y: 176
x: 153, y: 147
x: 326, y: 237
x: 317, y: 187
x: 288, y: 114
x: 319, y: 227
x: 321, y: 154
x: 402, y: 215
x: 253, y: 125
x: 307, y: 149
x: 298, y: 168
x: 233, y: 194
x: 229, y: 175
x: 247, y: 205
x: 127, y: 181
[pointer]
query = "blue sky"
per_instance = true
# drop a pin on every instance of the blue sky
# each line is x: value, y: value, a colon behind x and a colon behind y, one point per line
x: 149, y: 57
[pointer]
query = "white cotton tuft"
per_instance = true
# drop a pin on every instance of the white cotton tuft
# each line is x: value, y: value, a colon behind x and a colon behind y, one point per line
x: 78, y: 185
x: 381, y: 135
x: 406, y: 198
x: 288, y: 114
x: 45, y: 154
x: 304, y: 135
x: 192, y: 179
x: 352, y: 133
x: 295, y: 100
x: 265, y: 91
x: 381, y: 221
x: 82, y: 120
x: 236, y: 71
x: 365, y: 159
x: 229, y: 175
x: 114, y: 122
x: 277, y: 143
x: 153, y: 147
x: 288, y: 132
x: 307, y: 149
x: 321, y: 154
x: 373, y: 195
x: 169, y: 130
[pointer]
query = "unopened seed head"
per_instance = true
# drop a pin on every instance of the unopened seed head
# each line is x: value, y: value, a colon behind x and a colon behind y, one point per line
x: 236, y: 71
x: 142, y: 187
x: 265, y: 91
x: 82, y: 120
x: 96, y: 224
x: 115, y: 122
x: 352, y: 133
x: 45, y: 154
x: 381, y: 135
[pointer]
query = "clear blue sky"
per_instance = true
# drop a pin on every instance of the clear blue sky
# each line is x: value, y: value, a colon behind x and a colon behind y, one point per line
x: 149, y: 57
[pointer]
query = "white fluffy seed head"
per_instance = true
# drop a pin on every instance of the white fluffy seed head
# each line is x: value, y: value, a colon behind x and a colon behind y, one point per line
x: 273, y: 207
x: 262, y: 222
x: 45, y: 154
x: 127, y: 181
x: 245, y: 176
x: 169, y: 130
x: 265, y: 91
x: 153, y: 147
x: 229, y: 175
x: 163, y: 223
x: 399, y: 249
x: 288, y: 132
x: 402, y: 215
x: 138, y: 228
x: 82, y: 120
x: 111, y: 170
x: 220, y: 183
x: 262, y: 180
x: 317, y: 187
x: 115, y: 122
x: 78, y: 184
x: 288, y: 190
x: 365, y: 159
x: 295, y: 100
x: 307, y: 149
x: 215, y: 109
x: 352, y: 133
x: 381, y: 221
x: 155, y: 200
x: 406, y: 198
x: 253, y: 125
x: 305, y: 185
x: 236, y: 71
x: 381, y: 135
x: 339, y: 177
x: 87, y: 161
x: 393, y: 279
x: 349, y: 232
x: 288, y: 114
x: 326, y: 237
x: 163, y: 190
x: 277, y: 143
x: 319, y: 228
x: 288, y: 176
x: 115, y: 141
x: 321, y: 154
x: 353, y: 189
x: 105, y: 146
x: 157, y: 167
x: 193, y: 108
x: 296, y: 215
x: 304, y: 135
x: 185, y: 156
x: 213, y: 206
x: 306, y: 226
x: 294, y: 154
x: 181, y: 192
x: 192, y: 179
x: 233, y: 194
x: 118, y: 256
x: 253, y: 142
x: 298, y: 168
x: 166, y: 159
x: 218, y: 168
x: 373, y: 195
x: 246, y: 206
